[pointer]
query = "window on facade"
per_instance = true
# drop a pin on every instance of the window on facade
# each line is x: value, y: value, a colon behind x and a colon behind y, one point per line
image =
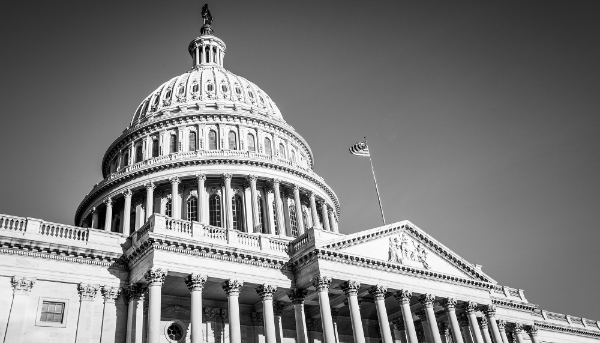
x: 192, y: 141
x: 214, y: 210
x: 251, y: 143
x: 232, y: 141
x: 195, y: 88
x: 192, y: 209
x: 138, y: 153
x: 268, y: 150
x: 238, y: 91
x: 168, y: 95
x: 293, y: 156
x: 237, y: 211
x: 155, y: 148
x: 305, y: 217
x: 168, y: 208
x: 126, y: 159
x: 281, y: 150
x: 155, y: 103
x: 212, y: 140
x: 132, y: 220
x: 181, y: 89
x: 173, y: 143
x: 261, y: 215
x: 52, y: 312
x: 210, y: 87
x: 275, y: 219
x: 206, y: 54
x: 293, y: 221
x: 175, y: 332
x: 145, y: 107
x: 224, y: 88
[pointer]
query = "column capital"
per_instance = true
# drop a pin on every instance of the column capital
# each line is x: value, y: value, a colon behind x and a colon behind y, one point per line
x: 175, y: 180
x: 350, y: 287
x: 517, y: 328
x: 201, y: 177
x: 296, y: 188
x: 378, y: 292
x: 252, y: 178
x: 469, y: 306
x: 94, y: 210
x: 427, y: 300
x: 155, y: 276
x: 398, y: 324
x: 449, y: 303
x: 501, y: 325
x: 227, y: 176
x: 149, y: 185
x: 403, y: 296
x: 463, y: 320
x: 297, y: 295
x: 532, y: 330
x: 321, y: 282
x: 421, y: 313
x: 311, y: 194
x: 483, y: 322
x: 490, y: 310
x: 110, y: 294
x: 275, y: 181
x: 195, y: 282
x: 108, y: 201
x: 22, y: 285
x: 87, y: 292
x: 133, y: 292
x: 127, y: 193
x: 278, y: 307
x: 265, y: 291
x: 232, y: 286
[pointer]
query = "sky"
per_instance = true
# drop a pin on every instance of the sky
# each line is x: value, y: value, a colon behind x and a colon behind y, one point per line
x: 481, y: 117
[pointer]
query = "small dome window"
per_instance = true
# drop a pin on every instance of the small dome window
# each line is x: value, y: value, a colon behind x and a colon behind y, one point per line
x: 168, y: 94
x: 238, y: 91
x: 195, y: 87
x: 210, y: 87
x: 155, y: 103
x: 251, y: 95
x: 224, y: 87
x: 181, y: 89
x: 262, y: 101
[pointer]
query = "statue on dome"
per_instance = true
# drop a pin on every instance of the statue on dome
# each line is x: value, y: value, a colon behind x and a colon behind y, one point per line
x: 206, y: 15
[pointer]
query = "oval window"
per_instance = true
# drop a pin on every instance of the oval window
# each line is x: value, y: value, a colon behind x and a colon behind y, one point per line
x: 175, y: 332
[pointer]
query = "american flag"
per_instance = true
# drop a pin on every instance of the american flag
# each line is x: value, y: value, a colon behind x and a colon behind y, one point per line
x: 360, y: 149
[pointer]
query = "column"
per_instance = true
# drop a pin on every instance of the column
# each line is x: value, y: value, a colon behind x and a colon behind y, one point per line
x: 94, y: 212
x: 108, y: 217
x: 228, y: 217
x: 175, y: 209
x: 449, y: 305
x: 265, y: 292
x: 463, y: 321
x: 126, y: 212
x: 470, y: 308
x: 483, y: 324
x: 254, y: 202
x: 155, y: 278
x: 490, y: 312
x: 422, y: 315
x: 351, y: 289
x: 87, y: 293
x: 334, y: 317
x: 502, y: 328
x: 297, y: 297
x: 517, y: 331
x: 18, y: 311
x: 313, y: 211
x: 278, y: 207
x: 202, y: 199
x: 399, y: 331
x: 378, y: 293
x: 403, y: 298
x: 427, y: 301
x: 324, y: 214
x: 109, y: 318
x: 444, y: 331
x: 233, y: 287
x: 334, y: 226
x: 138, y: 320
x: 533, y: 333
x: 299, y: 216
x: 278, y: 312
x: 149, y: 199
x: 322, y: 284
x: 128, y: 293
x: 195, y: 284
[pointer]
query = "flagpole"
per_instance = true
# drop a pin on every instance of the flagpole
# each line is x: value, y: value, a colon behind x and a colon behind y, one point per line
x: 375, y: 179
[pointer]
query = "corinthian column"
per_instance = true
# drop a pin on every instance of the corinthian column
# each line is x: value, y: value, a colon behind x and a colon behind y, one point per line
x: 299, y: 216
x: 227, y: 201
x: 297, y: 297
x: 490, y: 312
x: 444, y: 331
x: 403, y: 298
x: 449, y: 305
x: 202, y: 200
x: 322, y: 284
x: 399, y: 331
x: 378, y: 293
x: 18, y: 311
x: 463, y: 321
x: 266, y: 294
x: 324, y: 214
x: 254, y: 202
x: 232, y: 287
x: 175, y: 208
x: 502, y: 329
x: 195, y: 283
x: 109, y: 317
x: 470, y: 308
x: 351, y: 289
x: 86, y: 309
x: 278, y: 207
x: 277, y: 310
x: 483, y: 324
x: 127, y: 212
x: 517, y: 331
x: 149, y: 199
x: 533, y: 333
x: 313, y: 211
x: 333, y: 223
x: 427, y: 301
x: 108, y: 217
x: 156, y: 278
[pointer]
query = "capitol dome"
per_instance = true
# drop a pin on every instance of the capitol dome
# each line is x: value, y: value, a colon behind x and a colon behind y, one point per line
x: 210, y: 147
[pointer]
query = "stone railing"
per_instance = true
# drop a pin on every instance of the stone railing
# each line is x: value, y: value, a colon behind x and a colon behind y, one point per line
x: 160, y: 224
x: 40, y: 230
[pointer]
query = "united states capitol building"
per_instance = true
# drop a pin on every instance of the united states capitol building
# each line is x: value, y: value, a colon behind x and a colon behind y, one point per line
x: 210, y: 225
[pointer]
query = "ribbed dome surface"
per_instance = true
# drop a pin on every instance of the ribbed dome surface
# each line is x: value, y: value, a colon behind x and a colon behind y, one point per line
x: 206, y: 84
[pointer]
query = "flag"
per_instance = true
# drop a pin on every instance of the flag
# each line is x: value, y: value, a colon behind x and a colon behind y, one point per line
x: 360, y: 149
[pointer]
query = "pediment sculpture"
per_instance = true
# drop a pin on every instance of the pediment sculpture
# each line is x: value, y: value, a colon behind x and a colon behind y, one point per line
x: 405, y: 250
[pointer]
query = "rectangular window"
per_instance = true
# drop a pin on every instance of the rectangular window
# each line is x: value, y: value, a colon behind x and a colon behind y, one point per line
x: 52, y: 312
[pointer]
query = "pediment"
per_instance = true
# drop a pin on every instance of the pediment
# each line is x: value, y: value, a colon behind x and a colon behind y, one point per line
x: 406, y: 244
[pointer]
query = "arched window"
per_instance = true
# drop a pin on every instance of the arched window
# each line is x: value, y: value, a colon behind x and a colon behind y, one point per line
x: 192, y: 141
x: 206, y: 49
x: 138, y: 153
x: 168, y: 208
x: 232, y: 140
x: 281, y: 150
x: 116, y: 225
x: 181, y: 89
x: 275, y: 219
x: 251, y: 143
x: 320, y: 215
x: 132, y: 220
x: 293, y: 221
x: 195, y: 88
x: 168, y: 95
x: 261, y: 215
x: 214, y: 210
x: 173, y: 144
x: 192, y: 209
x: 156, y: 98
x: 154, y: 147
x: 212, y: 140
x: 238, y: 212
x: 293, y: 155
x: 125, y: 158
x: 268, y: 149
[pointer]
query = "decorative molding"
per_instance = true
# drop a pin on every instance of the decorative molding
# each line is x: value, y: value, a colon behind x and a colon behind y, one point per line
x: 278, y: 307
x: 321, y: 282
x: 87, y: 292
x: 110, y: 294
x: 350, y: 287
x: 403, y: 296
x: 490, y: 311
x: 232, y: 287
x: 265, y: 291
x: 470, y: 306
x: 483, y: 323
x: 195, y: 282
x: 427, y: 300
x: 22, y: 285
x: 449, y: 303
x: 378, y: 292
x: 155, y: 276
x: 297, y: 295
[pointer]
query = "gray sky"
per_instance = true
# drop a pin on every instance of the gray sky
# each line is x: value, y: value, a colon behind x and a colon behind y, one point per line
x: 482, y: 117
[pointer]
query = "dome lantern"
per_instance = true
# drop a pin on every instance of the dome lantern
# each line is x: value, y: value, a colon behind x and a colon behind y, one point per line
x: 207, y: 49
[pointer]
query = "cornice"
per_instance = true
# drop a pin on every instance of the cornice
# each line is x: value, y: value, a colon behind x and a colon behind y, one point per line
x: 514, y: 305
x: 560, y: 328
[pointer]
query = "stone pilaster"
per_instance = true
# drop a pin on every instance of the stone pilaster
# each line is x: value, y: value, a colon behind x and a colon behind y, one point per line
x: 109, y: 317
x: 175, y: 201
x: 108, y: 216
x: 533, y: 333
x: 279, y: 217
x: 502, y: 329
x: 87, y: 294
x: 149, y: 199
x: 483, y: 325
x: 299, y: 216
x: 202, y: 199
x: 490, y: 313
x: 18, y: 311
x: 325, y: 215
x: 228, y: 217
x: 463, y: 321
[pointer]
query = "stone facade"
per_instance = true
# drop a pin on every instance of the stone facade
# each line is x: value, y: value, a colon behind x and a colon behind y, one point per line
x: 211, y: 226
